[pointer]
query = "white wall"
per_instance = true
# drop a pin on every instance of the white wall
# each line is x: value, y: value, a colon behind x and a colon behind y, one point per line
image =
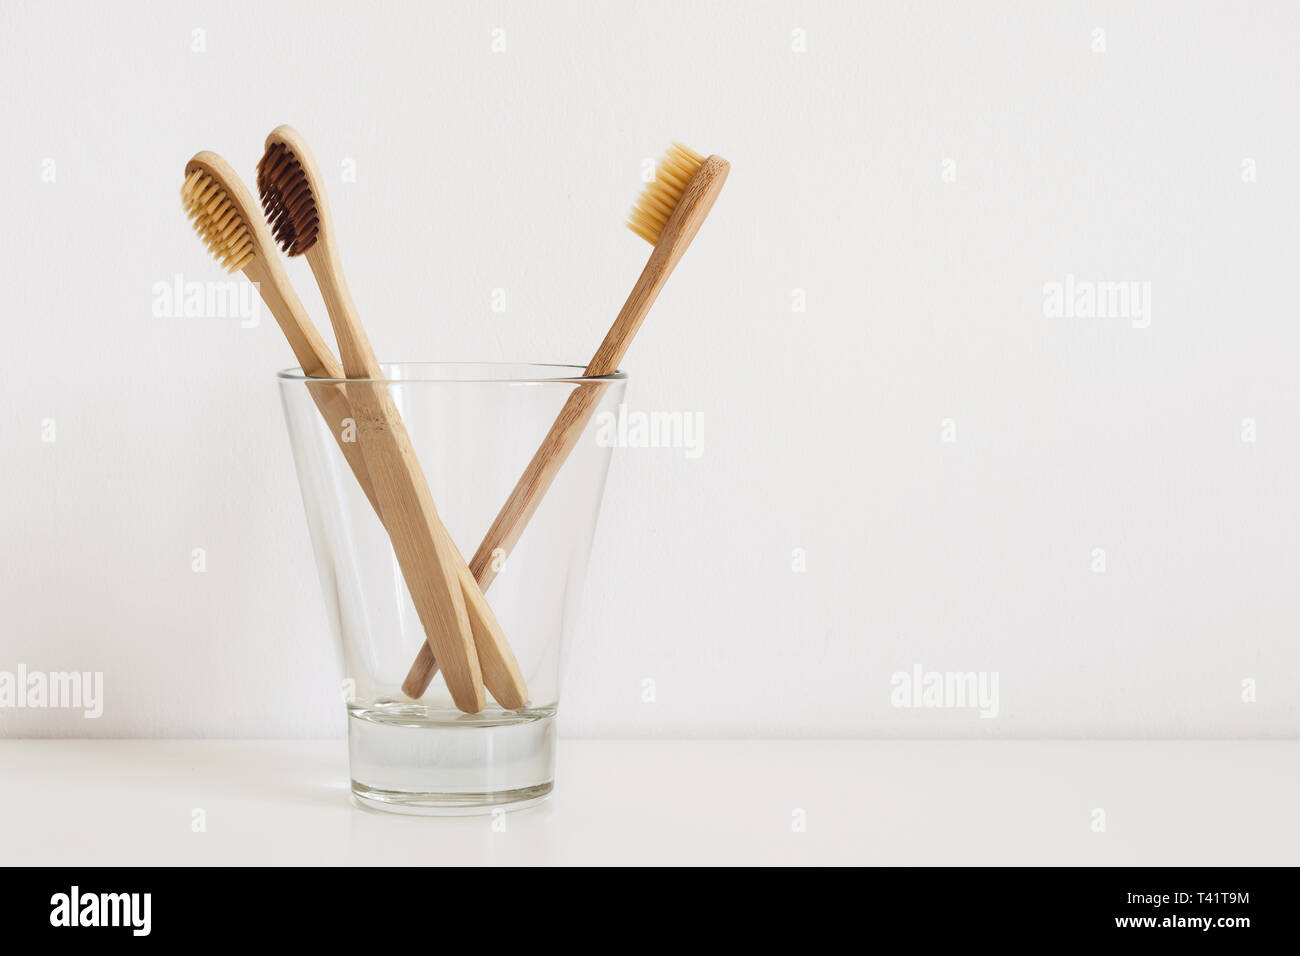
x: 478, y: 170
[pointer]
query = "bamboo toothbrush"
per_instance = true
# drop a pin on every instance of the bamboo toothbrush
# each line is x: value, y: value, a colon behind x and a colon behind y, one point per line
x: 295, y: 207
x: 667, y: 215
x: 227, y: 218
x: 229, y: 222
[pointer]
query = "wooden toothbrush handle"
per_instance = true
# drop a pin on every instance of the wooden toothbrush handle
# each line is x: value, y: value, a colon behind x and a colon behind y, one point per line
x: 536, y: 480
x: 309, y: 348
x: 420, y: 542
x: 550, y: 456
x: 560, y: 440
x: 678, y: 232
x: 420, y: 545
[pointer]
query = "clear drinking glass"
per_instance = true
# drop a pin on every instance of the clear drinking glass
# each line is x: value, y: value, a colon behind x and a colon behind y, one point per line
x: 474, y: 428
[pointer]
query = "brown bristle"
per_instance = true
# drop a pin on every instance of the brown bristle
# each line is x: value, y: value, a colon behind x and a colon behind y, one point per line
x: 287, y: 200
x: 217, y: 221
x: 661, y: 195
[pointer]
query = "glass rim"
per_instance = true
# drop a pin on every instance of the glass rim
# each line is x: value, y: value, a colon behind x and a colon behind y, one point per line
x: 573, y: 374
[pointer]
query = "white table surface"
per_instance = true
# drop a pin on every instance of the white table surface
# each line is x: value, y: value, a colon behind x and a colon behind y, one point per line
x: 127, y: 802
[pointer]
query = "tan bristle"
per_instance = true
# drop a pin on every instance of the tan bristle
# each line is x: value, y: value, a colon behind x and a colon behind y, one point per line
x: 287, y: 200
x: 217, y: 221
x: 660, y: 197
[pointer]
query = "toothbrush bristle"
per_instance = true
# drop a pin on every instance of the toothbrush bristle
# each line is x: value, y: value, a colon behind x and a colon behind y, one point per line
x: 661, y: 195
x: 217, y: 221
x: 287, y: 200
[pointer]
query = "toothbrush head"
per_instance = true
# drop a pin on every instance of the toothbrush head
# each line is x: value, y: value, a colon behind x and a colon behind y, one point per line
x: 220, y: 209
x: 285, y: 177
x: 661, y: 195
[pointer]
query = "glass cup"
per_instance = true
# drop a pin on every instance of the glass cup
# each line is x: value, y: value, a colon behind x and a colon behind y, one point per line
x: 474, y: 428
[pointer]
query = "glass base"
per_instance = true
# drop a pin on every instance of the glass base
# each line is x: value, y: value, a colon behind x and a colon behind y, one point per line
x: 448, y: 804
x: 416, y: 759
